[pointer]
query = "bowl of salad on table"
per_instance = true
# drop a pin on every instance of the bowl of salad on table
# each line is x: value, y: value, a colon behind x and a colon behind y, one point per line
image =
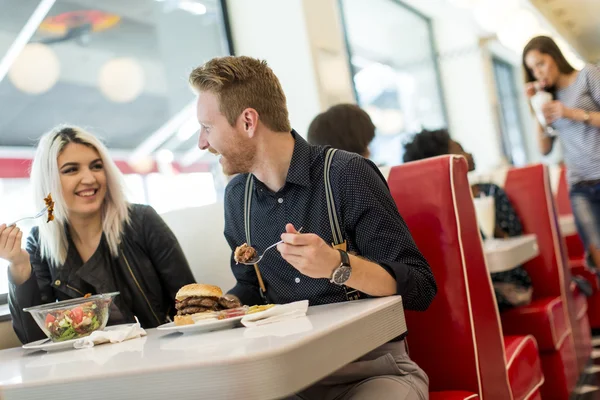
x: 73, y: 319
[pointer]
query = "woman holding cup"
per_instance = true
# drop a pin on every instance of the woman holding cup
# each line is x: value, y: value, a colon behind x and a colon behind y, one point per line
x: 574, y: 112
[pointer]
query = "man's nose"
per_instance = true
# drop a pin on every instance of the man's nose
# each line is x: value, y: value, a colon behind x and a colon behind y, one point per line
x: 202, y: 142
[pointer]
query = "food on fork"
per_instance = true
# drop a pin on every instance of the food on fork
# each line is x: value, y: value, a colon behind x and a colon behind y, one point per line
x: 244, y: 253
x: 50, y: 204
x: 198, y: 301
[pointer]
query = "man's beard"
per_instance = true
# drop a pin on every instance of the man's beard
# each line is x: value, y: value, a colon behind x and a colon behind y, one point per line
x: 239, y: 163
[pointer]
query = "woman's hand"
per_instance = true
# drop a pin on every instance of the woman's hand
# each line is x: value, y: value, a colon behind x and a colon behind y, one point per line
x: 11, y: 251
x: 555, y: 110
x: 530, y: 89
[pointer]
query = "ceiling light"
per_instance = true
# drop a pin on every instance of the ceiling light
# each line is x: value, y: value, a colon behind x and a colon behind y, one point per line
x: 489, y: 14
x: 193, y: 7
x: 518, y: 30
x: 25, y: 35
x: 121, y: 79
x: 36, y: 69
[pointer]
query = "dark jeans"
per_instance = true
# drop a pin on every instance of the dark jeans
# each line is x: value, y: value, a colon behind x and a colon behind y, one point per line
x: 585, y: 201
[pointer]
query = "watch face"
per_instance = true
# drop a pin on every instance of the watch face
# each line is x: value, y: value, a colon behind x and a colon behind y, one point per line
x: 341, y: 275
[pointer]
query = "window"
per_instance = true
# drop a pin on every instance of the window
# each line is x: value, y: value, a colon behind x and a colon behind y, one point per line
x: 511, y: 127
x: 395, y: 72
x: 118, y: 69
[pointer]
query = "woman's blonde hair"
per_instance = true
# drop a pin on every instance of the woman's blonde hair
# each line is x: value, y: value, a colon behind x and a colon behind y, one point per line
x: 45, y: 178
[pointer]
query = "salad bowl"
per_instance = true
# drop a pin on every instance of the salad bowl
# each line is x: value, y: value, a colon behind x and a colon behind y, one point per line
x: 73, y: 319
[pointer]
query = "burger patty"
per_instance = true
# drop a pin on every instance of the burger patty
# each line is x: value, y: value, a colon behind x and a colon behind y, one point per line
x: 229, y: 302
x: 209, y: 302
x: 193, y: 310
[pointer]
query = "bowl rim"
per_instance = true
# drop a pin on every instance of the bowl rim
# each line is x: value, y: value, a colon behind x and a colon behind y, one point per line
x: 70, y: 302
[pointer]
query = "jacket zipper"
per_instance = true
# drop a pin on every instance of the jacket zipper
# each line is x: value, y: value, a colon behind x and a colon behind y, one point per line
x: 77, y: 290
x: 140, y: 288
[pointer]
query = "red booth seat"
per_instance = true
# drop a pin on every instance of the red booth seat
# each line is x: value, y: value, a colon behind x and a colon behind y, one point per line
x: 453, y: 395
x: 543, y: 318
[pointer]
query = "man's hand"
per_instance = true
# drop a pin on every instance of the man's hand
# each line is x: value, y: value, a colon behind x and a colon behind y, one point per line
x: 308, y: 253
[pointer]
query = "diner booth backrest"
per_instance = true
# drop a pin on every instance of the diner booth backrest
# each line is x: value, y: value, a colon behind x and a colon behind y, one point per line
x: 529, y: 191
x: 458, y: 340
x: 560, y: 189
x: 200, y: 233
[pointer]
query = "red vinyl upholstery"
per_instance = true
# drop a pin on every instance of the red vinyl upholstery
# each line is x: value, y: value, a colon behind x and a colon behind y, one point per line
x: 528, y: 189
x: 544, y: 318
x: 523, y: 358
x: 583, y: 341
x: 453, y: 395
x: 575, y: 247
x: 458, y: 341
x: 563, y: 202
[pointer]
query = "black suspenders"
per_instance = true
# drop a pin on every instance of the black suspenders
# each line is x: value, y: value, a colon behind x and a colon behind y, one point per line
x: 338, y: 238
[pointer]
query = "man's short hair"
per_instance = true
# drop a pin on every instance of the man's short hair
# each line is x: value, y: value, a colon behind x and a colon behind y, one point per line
x: 244, y: 82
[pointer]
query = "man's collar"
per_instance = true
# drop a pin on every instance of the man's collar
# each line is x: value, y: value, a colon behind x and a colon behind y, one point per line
x: 299, y: 171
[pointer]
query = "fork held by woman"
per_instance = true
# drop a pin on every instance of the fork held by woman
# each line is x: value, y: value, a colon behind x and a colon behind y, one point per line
x: 36, y: 216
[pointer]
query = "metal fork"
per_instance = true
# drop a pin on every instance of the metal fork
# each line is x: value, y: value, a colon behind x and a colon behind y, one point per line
x: 256, y: 259
x: 36, y: 216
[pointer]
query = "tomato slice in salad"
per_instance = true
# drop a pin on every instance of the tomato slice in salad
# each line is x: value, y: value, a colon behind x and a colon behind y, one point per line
x: 50, y: 319
x: 77, y: 315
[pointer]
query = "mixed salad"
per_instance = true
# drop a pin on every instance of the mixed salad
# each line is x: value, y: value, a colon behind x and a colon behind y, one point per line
x: 74, y: 323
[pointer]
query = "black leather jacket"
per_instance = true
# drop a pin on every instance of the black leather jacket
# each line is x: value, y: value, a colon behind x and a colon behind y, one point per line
x: 151, y: 263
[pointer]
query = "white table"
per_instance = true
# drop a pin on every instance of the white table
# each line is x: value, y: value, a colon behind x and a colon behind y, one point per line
x: 267, y: 362
x: 505, y: 254
x: 567, y: 225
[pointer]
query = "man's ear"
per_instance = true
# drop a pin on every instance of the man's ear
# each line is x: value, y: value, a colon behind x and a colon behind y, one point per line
x: 249, y: 119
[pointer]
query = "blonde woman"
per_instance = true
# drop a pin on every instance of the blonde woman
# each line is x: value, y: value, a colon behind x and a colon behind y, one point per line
x: 98, y: 242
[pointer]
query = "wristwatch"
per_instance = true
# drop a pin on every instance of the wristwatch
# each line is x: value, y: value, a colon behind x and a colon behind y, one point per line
x: 586, y: 117
x: 341, y: 274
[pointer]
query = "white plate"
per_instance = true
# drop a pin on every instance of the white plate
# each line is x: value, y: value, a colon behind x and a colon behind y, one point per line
x: 206, y: 325
x: 48, y: 345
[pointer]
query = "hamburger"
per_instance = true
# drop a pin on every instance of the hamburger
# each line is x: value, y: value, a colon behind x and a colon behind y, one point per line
x: 198, y: 301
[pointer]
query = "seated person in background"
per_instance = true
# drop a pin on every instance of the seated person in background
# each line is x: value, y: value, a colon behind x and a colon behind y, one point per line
x: 512, y: 288
x: 98, y: 242
x: 243, y: 116
x: 344, y: 126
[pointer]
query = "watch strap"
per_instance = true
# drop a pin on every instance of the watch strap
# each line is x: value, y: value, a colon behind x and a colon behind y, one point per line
x: 345, y: 258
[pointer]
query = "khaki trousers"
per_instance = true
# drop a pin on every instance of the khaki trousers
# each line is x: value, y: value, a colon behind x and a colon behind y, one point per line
x: 386, y: 373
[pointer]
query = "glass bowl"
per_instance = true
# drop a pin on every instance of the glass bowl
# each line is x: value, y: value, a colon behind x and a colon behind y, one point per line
x: 73, y: 319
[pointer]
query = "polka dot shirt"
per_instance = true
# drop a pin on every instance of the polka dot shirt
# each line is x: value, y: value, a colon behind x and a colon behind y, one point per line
x: 581, y: 141
x: 368, y: 218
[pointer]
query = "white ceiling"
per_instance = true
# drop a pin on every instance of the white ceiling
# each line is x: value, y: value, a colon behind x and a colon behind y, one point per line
x: 163, y: 42
x: 578, y: 21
